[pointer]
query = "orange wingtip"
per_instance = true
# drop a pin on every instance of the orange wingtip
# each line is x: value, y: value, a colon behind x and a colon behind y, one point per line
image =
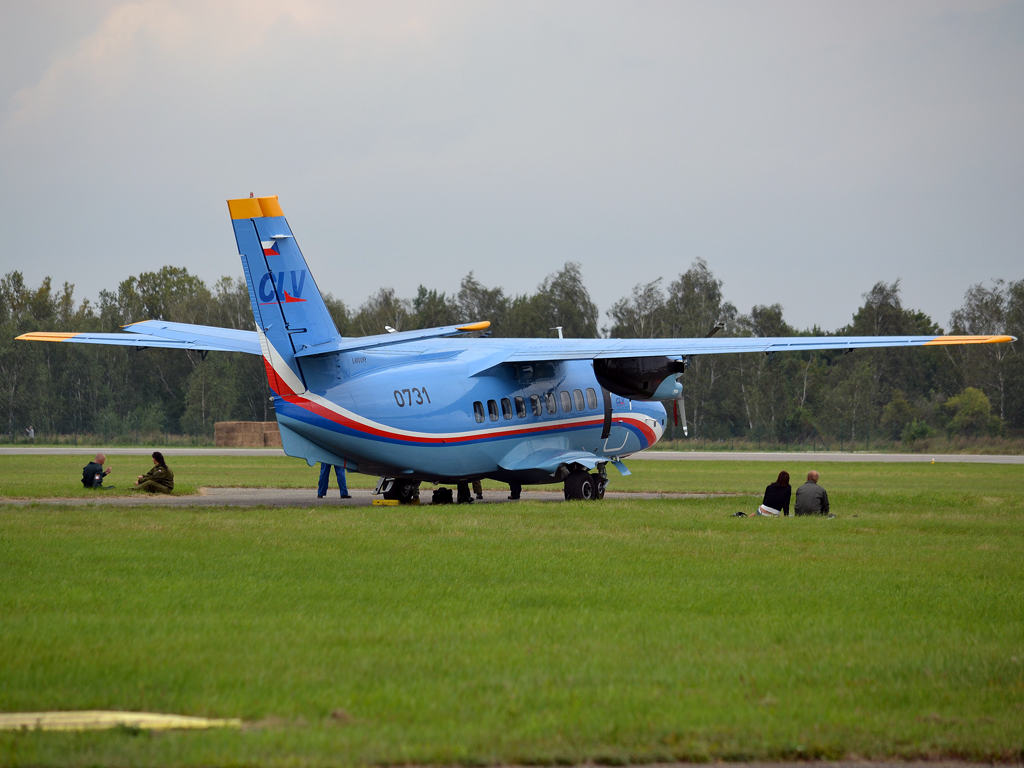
x: 969, y: 340
x: 254, y: 207
x: 46, y: 336
x: 482, y: 325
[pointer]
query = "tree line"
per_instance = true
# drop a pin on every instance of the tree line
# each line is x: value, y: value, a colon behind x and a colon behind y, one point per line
x: 840, y: 399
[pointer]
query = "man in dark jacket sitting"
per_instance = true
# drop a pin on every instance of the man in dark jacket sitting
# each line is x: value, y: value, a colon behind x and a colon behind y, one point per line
x: 93, y: 472
x: 811, y: 498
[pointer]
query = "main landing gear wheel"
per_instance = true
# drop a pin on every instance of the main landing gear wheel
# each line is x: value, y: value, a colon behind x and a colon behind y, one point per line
x: 600, y: 486
x: 579, y: 486
x: 402, y: 491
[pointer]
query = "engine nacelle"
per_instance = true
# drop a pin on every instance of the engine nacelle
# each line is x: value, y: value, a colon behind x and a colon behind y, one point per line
x: 641, y: 378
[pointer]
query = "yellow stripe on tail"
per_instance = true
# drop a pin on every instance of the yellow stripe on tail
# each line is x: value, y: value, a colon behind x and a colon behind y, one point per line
x: 254, y: 207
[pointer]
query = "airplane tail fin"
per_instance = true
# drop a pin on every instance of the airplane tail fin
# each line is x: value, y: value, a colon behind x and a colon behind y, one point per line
x: 289, y: 311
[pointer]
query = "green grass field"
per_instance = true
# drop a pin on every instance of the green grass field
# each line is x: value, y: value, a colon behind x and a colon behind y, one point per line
x: 531, y: 633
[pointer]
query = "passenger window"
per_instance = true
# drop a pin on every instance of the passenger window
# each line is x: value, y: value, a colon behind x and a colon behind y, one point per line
x: 591, y: 398
x: 478, y: 411
x: 549, y: 398
x: 577, y: 395
x: 566, y: 401
x: 520, y: 407
x: 535, y: 404
x: 492, y: 409
x: 506, y: 408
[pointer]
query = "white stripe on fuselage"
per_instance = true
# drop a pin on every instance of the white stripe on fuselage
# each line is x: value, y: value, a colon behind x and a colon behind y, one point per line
x: 530, y: 427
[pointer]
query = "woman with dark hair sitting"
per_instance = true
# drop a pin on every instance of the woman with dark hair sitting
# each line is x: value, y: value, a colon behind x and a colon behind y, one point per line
x: 159, y: 479
x: 776, y: 497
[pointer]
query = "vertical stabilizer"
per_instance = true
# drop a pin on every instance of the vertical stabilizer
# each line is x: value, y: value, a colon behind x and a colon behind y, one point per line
x: 289, y: 311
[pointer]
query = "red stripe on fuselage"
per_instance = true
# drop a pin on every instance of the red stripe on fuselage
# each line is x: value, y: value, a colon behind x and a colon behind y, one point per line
x: 344, y: 421
x: 283, y: 390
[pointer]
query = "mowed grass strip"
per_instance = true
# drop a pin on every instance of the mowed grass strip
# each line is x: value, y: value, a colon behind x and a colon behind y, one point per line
x: 537, y: 633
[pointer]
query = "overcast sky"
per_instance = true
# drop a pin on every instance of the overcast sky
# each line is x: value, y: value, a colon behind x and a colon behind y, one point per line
x: 805, y: 150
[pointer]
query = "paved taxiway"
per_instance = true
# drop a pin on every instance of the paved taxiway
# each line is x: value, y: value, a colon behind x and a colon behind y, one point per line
x: 301, y: 497
x: 792, y: 456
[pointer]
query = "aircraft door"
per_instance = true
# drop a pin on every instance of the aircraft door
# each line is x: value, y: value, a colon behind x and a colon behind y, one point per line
x: 615, y: 437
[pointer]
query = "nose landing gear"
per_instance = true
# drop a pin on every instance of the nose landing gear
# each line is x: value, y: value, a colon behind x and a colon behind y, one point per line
x: 402, y: 491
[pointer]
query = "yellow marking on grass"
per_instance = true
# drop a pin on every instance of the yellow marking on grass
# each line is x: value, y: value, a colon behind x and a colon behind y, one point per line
x: 99, y: 720
x: 46, y: 336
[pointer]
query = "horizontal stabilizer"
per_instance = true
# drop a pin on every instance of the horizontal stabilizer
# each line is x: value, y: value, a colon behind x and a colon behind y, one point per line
x: 390, y: 339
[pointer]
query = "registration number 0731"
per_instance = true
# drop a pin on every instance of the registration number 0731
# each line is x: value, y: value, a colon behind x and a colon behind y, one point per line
x: 410, y: 397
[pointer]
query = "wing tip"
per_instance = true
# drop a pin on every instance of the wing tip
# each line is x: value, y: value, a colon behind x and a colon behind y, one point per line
x: 45, y: 336
x: 945, y: 340
x: 482, y: 325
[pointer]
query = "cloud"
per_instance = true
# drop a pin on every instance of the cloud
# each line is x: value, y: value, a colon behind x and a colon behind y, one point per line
x: 201, y: 36
x: 873, y: 139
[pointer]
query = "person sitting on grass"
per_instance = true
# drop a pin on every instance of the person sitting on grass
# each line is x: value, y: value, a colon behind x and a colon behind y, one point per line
x: 93, y: 473
x: 160, y: 479
x: 811, y: 498
x: 776, y: 497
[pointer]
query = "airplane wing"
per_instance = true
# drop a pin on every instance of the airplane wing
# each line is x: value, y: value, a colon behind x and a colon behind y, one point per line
x: 163, y: 335
x: 168, y: 335
x: 552, y: 350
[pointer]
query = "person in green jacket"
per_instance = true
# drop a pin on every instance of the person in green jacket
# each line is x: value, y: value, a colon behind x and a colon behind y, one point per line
x: 160, y: 479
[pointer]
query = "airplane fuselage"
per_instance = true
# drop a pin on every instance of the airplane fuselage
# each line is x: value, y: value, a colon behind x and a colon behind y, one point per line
x: 403, y: 416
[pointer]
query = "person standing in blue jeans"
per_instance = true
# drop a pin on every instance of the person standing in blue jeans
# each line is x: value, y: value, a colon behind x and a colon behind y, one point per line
x: 325, y: 479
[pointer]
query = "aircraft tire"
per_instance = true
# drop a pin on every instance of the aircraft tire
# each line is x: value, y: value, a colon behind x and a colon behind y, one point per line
x: 599, y: 486
x: 402, y: 491
x: 579, y: 486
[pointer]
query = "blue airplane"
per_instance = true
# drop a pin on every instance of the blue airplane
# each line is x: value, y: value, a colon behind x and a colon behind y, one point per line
x: 446, y: 405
